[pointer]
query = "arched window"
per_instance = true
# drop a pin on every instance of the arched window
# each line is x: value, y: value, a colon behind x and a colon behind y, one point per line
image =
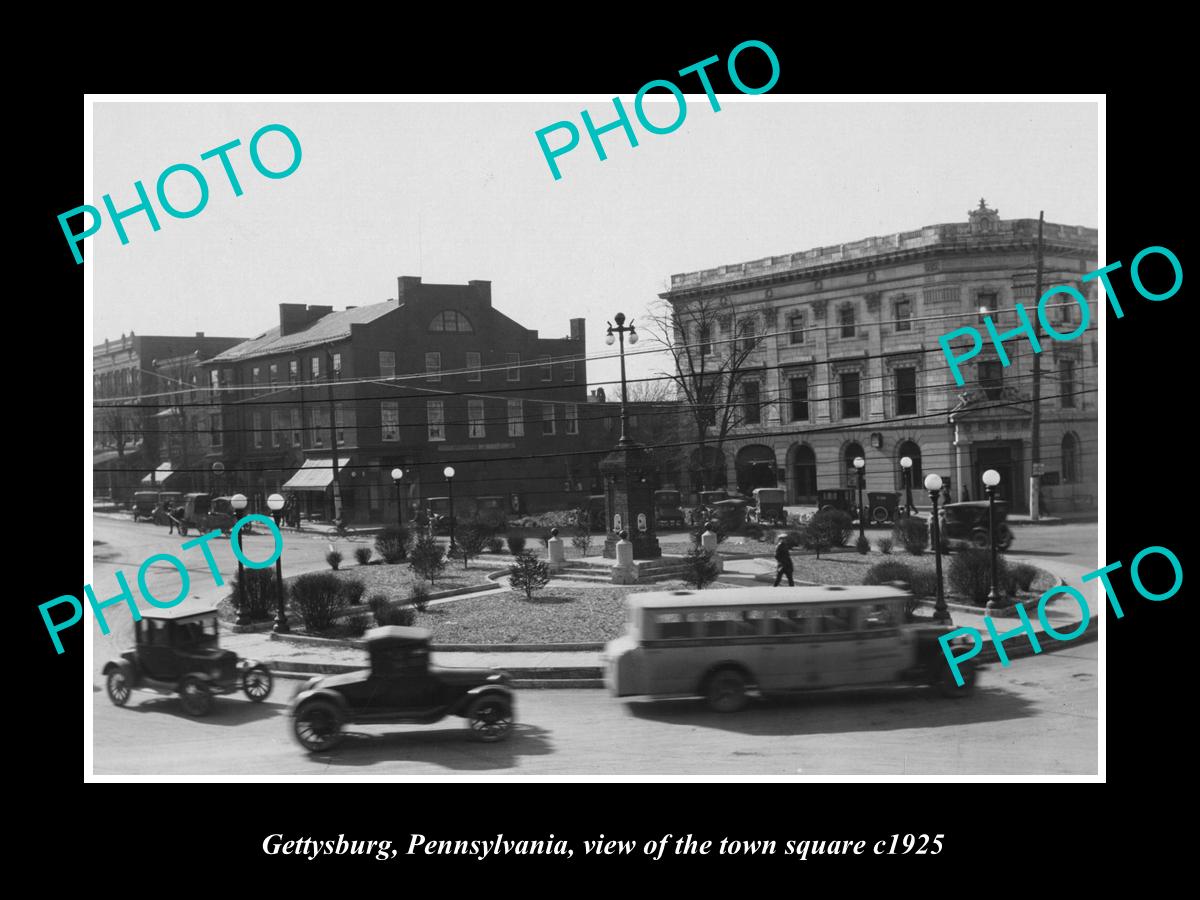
x: 450, y: 320
x: 913, y: 452
x: 1070, y: 458
x: 851, y: 450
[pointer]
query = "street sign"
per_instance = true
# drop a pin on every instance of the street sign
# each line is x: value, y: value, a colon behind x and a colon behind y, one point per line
x: 1039, y: 468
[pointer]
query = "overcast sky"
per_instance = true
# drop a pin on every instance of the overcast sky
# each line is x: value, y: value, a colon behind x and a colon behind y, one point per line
x: 460, y: 191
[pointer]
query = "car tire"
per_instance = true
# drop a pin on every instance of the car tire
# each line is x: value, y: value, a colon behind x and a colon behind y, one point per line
x: 197, y: 699
x: 490, y: 719
x: 117, y: 686
x: 1004, y: 539
x: 317, y: 725
x: 257, y: 684
x: 979, y: 540
x: 725, y: 691
x: 948, y: 687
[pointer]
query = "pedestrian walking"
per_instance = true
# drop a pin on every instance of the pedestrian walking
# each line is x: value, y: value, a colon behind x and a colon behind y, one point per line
x: 783, y: 562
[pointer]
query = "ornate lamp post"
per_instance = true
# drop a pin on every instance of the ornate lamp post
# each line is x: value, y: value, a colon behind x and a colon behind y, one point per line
x: 618, y: 333
x: 991, y: 478
x: 906, y: 464
x: 275, y: 502
x: 238, y: 502
x: 397, y: 477
x: 933, y: 484
x: 860, y: 466
x: 449, y: 473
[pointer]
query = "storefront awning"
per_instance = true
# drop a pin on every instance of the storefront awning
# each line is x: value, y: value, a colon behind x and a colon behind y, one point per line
x: 160, y: 475
x: 314, y: 475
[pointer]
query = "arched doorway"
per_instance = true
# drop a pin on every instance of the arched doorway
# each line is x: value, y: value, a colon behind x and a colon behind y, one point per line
x: 849, y: 473
x: 803, y: 470
x: 913, y: 452
x: 755, y: 466
x: 706, y: 470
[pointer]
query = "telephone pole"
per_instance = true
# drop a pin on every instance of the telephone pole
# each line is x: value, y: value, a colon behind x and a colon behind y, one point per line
x: 1035, y: 477
x: 337, y: 492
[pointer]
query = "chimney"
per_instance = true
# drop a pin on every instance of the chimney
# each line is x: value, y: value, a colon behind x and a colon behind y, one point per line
x: 199, y: 334
x: 578, y: 329
x: 483, y: 290
x: 407, y: 284
x: 317, y: 312
x: 292, y: 318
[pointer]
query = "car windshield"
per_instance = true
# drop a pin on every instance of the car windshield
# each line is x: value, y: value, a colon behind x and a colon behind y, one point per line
x: 196, y: 633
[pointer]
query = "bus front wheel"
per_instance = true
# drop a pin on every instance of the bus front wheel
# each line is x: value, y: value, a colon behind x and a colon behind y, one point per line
x: 725, y: 691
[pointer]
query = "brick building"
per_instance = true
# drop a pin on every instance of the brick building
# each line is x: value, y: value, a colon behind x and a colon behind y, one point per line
x: 847, y: 362
x: 435, y: 377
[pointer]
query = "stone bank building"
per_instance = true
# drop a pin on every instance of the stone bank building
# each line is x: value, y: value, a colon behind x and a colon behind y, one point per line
x: 847, y: 363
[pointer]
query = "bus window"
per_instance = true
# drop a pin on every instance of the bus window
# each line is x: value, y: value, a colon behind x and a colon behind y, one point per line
x: 668, y: 626
x: 731, y: 623
x: 788, y: 621
x: 879, y: 615
x: 836, y: 619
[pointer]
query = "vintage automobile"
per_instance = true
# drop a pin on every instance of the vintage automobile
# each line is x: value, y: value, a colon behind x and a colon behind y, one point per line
x: 768, y: 506
x: 837, y: 498
x: 204, y: 513
x: 144, y: 504
x: 667, y: 507
x: 178, y: 652
x: 401, y: 687
x: 964, y: 525
x: 724, y: 645
x: 438, y: 510
x: 492, y: 511
x: 731, y: 513
x: 884, y: 506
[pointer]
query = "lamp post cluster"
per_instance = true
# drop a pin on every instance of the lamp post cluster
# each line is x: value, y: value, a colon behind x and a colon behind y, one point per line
x: 618, y: 332
x: 933, y: 484
x: 860, y: 466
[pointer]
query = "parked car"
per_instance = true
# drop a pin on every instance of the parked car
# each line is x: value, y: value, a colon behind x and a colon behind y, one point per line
x: 884, y: 506
x: 768, y: 506
x: 179, y: 652
x: 144, y: 504
x: 964, y: 525
x: 837, y: 498
x: 667, y: 508
x: 439, y: 514
x: 204, y: 513
x: 401, y: 686
x: 492, y: 511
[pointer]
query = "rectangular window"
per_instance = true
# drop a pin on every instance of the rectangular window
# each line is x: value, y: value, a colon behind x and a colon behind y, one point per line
x: 279, y: 426
x: 315, y: 364
x: 851, y: 406
x: 987, y: 302
x: 906, y: 392
x: 991, y: 378
x: 433, y: 366
x: 516, y: 419
x: 227, y: 377
x: 846, y: 320
x: 214, y: 379
x: 475, y: 424
x: 568, y: 369
x: 216, y: 429
x: 473, y: 363
x: 258, y: 423
x: 799, y: 397
x: 274, y: 370
x: 1066, y: 375
x: 796, y: 328
x: 293, y: 369
x: 254, y: 374
x: 749, y: 340
x: 339, y: 422
x: 387, y: 363
x: 389, y: 419
x: 572, y: 419
x: 706, y: 339
x: 751, y: 414
x: 319, y: 425
x: 547, y: 418
x: 513, y: 361
x: 546, y: 369
x: 337, y: 362
x: 435, y: 412
x: 297, y: 437
x: 904, y: 315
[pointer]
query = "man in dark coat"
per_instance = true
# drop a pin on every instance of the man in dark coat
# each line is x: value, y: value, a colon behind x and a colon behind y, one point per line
x: 783, y: 561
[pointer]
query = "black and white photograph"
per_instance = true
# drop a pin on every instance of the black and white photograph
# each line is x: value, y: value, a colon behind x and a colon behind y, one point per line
x: 666, y: 436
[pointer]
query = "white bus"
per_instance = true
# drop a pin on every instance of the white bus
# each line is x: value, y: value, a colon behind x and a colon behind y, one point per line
x: 722, y: 643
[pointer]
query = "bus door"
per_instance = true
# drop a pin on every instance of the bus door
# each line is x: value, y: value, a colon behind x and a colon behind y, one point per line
x: 880, y: 651
x: 792, y: 657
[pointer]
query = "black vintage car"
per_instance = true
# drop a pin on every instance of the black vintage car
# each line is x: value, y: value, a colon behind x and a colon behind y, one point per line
x: 401, y: 687
x: 179, y: 652
x: 965, y: 525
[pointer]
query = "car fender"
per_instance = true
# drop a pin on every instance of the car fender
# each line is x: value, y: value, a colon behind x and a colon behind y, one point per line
x: 119, y: 665
x: 203, y: 677
x: 245, y: 665
x: 482, y: 690
x: 324, y: 694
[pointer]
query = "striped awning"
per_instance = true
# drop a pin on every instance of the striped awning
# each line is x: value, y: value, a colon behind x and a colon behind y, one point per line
x: 315, y: 474
x: 160, y: 475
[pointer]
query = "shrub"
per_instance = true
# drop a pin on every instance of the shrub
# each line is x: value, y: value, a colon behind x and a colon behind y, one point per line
x: 699, y: 568
x: 970, y: 574
x: 356, y: 626
x: 913, y: 533
x: 888, y: 570
x: 377, y: 603
x: 1022, y: 576
x: 259, y: 590
x: 318, y: 597
x: 923, y: 583
x: 392, y: 543
x: 838, y: 523
x: 362, y: 555
x: 419, y: 597
x: 885, y: 545
x: 495, y: 544
x: 581, y: 540
x: 469, y: 542
x: 427, y: 558
x: 528, y: 574
x: 516, y: 543
x: 334, y: 558
x: 352, y: 590
x: 863, y: 544
x: 387, y: 614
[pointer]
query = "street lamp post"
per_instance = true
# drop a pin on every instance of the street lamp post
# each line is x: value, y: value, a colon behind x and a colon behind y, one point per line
x: 275, y: 502
x: 933, y: 484
x: 238, y: 502
x: 991, y: 478
x: 906, y: 464
x: 860, y: 466
x: 449, y: 473
x: 618, y: 332
x: 397, y: 476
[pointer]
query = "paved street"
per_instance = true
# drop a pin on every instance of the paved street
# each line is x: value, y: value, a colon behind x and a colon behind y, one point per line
x: 1037, y: 716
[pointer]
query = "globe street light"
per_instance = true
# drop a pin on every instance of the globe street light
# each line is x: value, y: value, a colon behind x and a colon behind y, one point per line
x: 616, y: 332
x: 991, y: 478
x: 906, y: 464
x: 933, y: 484
x: 275, y: 502
x: 397, y: 476
x: 860, y: 466
x: 238, y: 502
x: 449, y: 473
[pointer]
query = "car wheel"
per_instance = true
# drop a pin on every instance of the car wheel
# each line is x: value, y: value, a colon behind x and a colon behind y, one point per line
x: 726, y: 691
x: 979, y: 540
x: 118, y: 688
x: 948, y: 687
x: 318, y: 726
x: 256, y: 684
x: 490, y: 719
x: 197, y: 698
x: 1005, y: 538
